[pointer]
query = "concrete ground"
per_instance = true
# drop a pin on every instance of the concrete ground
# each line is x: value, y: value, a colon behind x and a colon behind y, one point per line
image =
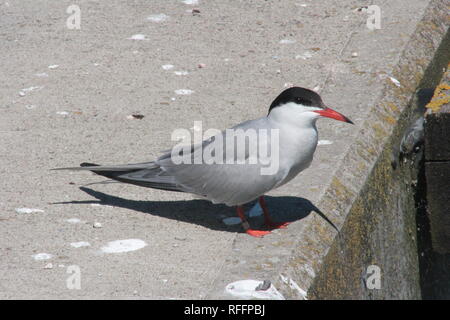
x: 67, y: 96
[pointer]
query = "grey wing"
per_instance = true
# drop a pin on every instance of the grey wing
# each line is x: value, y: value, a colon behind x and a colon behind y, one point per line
x: 232, y: 184
x: 220, y: 182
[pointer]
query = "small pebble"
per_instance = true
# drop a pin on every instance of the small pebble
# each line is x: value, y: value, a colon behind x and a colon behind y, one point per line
x: 135, y: 116
x: 354, y: 54
x: 361, y: 9
x: 231, y: 221
x: 97, y: 225
x: 255, y: 211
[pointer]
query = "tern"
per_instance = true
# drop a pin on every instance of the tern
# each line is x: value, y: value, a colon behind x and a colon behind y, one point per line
x: 283, y: 143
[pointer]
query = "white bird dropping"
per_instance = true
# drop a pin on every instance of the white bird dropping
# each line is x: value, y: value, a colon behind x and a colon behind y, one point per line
x: 158, y: 17
x: 28, y: 210
x: 42, y: 256
x: 126, y: 245
x: 184, y: 92
x: 246, y: 289
x: 138, y: 36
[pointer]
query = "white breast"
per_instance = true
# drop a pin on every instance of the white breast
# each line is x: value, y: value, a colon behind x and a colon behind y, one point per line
x: 297, y: 147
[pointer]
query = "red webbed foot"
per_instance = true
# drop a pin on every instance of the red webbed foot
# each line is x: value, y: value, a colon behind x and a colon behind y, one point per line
x: 256, y: 233
x: 276, y: 225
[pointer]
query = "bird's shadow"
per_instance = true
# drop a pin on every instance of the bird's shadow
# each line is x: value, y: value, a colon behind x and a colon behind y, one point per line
x: 206, y: 214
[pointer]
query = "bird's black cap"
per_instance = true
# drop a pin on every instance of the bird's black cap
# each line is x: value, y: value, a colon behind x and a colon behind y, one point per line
x: 298, y: 95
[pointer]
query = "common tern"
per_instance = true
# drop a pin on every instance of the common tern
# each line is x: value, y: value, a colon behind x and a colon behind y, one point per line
x: 272, y: 151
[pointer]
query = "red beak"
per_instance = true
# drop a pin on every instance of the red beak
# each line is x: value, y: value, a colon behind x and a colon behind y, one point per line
x: 330, y: 113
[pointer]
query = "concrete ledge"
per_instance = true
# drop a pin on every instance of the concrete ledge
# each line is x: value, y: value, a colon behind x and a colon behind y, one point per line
x: 369, y: 201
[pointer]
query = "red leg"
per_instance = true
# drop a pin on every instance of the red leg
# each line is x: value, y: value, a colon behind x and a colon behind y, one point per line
x: 246, y: 225
x: 267, y: 219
